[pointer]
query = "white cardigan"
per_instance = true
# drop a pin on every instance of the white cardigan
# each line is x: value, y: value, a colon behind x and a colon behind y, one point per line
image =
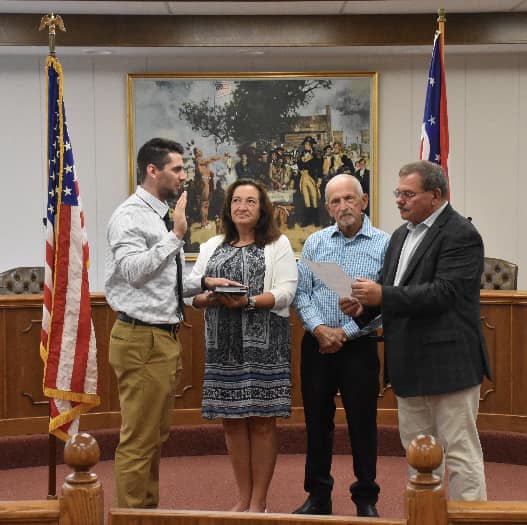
x: 281, y: 273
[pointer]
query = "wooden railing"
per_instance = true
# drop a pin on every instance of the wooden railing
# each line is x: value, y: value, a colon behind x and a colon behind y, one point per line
x: 425, y: 504
x: 81, y: 501
x: 30, y: 511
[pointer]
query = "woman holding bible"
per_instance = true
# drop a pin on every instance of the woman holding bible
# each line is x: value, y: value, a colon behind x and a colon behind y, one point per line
x: 247, y: 336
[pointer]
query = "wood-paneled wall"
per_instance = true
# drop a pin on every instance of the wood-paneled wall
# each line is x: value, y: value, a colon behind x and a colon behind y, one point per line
x: 23, y: 408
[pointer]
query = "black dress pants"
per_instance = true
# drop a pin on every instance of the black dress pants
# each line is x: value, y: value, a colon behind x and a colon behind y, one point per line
x: 354, y: 372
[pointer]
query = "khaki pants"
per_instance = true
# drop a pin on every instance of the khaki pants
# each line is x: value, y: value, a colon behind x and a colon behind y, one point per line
x: 147, y: 363
x: 309, y: 190
x: 452, y: 419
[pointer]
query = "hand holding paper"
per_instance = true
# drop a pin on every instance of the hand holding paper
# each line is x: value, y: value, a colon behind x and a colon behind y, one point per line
x: 350, y: 306
x: 367, y: 292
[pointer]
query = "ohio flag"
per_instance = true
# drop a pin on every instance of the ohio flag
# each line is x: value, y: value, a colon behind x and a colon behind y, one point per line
x: 67, y: 344
x: 434, y: 131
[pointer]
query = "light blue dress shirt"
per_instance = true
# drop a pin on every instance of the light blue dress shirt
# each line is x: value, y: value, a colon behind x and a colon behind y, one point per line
x: 360, y: 256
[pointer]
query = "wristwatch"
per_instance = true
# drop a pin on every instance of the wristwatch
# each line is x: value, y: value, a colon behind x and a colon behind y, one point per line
x: 251, y: 303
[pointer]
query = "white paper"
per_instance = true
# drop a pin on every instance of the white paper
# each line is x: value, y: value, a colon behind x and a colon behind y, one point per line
x: 332, y: 275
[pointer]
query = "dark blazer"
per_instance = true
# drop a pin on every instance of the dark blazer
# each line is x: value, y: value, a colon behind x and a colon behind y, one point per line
x: 433, y: 338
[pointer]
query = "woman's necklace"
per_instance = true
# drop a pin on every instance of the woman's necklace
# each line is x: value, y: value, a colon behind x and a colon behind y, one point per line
x: 241, y: 244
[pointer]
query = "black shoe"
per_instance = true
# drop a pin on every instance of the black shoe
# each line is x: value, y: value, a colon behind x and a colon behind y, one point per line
x: 367, y: 509
x: 315, y: 506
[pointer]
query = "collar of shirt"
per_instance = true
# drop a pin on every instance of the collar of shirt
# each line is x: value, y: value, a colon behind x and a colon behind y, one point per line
x: 429, y: 221
x: 160, y: 207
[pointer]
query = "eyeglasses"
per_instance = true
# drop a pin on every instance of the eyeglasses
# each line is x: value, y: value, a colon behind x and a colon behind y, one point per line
x: 407, y: 195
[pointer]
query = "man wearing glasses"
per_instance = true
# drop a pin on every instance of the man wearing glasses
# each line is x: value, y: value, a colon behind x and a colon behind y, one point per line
x: 435, y: 352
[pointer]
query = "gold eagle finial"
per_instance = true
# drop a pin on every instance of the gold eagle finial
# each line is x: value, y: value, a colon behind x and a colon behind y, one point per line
x: 52, y: 21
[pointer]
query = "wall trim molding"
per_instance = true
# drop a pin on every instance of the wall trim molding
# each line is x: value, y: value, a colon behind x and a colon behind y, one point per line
x: 270, y: 31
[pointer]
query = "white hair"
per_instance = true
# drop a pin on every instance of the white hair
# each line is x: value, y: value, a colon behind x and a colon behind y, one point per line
x: 344, y: 176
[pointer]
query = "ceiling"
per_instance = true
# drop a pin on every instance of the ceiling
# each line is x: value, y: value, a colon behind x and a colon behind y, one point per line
x: 262, y: 7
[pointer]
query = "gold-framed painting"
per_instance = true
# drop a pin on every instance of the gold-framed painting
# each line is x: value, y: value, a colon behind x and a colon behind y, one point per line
x: 290, y: 131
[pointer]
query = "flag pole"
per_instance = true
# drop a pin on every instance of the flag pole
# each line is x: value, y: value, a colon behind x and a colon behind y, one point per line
x: 52, y: 466
x: 52, y: 21
x: 441, y: 19
x: 434, y: 143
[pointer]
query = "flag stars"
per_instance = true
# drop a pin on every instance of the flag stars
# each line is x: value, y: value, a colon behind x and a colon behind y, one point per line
x: 432, y: 120
x: 51, y: 209
x: 67, y: 146
x: 68, y: 169
x: 438, y: 158
x: 67, y: 191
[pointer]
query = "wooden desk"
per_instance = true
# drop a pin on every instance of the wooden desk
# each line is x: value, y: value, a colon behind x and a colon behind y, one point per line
x: 24, y: 409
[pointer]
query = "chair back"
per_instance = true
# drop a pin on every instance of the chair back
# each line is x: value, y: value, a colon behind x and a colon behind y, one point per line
x: 22, y: 280
x: 499, y: 274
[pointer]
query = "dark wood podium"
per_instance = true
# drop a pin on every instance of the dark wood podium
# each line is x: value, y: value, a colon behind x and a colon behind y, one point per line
x: 24, y: 409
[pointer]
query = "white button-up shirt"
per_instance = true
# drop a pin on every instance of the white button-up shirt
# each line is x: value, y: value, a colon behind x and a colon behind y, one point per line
x: 415, y: 235
x: 141, y: 270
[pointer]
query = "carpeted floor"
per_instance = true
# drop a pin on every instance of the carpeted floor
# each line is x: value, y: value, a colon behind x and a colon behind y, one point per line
x: 207, y: 483
x: 197, y: 481
x: 207, y: 439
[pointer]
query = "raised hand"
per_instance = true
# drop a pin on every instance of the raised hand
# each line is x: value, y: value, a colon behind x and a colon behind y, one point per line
x: 179, y: 217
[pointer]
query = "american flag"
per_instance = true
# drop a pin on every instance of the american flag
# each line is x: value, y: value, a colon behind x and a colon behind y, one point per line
x: 67, y: 346
x: 434, y: 131
x: 223, y: 88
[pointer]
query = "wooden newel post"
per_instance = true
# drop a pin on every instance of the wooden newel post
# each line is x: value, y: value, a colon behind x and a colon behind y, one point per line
x: 425, y: 497
x: 82, y: 500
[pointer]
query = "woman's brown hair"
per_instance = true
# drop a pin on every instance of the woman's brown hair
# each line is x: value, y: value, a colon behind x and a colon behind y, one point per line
x: 266, y: 230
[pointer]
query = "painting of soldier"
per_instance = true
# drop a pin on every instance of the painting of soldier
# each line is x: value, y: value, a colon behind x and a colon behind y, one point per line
x: 204, y: 183
x: 291, y: 133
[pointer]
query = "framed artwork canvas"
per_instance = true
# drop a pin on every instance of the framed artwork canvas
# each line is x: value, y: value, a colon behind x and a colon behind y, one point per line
x: 290, y: 131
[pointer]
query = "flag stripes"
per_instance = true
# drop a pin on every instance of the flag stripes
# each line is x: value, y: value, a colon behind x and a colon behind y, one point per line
x: 434, y: 145
x: 68, y: 346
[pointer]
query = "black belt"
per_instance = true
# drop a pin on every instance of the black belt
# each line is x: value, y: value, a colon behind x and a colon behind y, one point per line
x: 172, y: 328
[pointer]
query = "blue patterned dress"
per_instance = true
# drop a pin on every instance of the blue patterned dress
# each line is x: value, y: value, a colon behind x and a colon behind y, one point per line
x: 247, y: 362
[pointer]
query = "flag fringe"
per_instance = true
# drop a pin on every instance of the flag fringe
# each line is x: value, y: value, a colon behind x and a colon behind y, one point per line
x: 56, y: 423
x: 77, y: 397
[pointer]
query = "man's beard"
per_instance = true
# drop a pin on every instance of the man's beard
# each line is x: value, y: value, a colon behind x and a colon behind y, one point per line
x: 348, y: 220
